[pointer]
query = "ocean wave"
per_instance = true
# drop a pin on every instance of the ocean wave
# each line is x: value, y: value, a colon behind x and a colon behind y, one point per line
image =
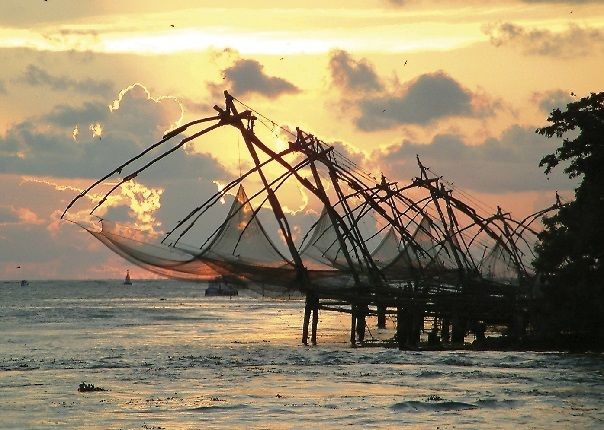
x: 429, y: 373
x: 441, y: 405
x: 429, y: 406
x: 495, y: 404
x: 216, y: 408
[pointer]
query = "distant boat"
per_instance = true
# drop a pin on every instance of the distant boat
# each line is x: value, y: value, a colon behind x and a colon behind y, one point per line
x: 24, y: 283
x: 220, y: 287
x: 127, y: 281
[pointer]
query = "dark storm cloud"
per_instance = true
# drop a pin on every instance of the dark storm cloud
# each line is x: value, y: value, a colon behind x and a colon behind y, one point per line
x: 38, y: 77
x: 428, y: 98
x: 68, y: 116
x: 550, y: 100
x: 7, y: 215
x: 575, y: 41
x: 507, y: 164
x: 56, y: 154
x: 45, y: 146
x: 421, y: 101
x: 352, y: 75
x: 248, y: 76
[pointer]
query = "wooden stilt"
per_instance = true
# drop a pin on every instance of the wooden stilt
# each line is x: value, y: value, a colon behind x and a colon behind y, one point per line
x: 353, y: 325
x: 479, y: 331
x: 433, y: 338
x: 401, y: 339
x: 362, y: 312
x: 381, y: 316
x: 446, y: 330
x: 459, y: 330
x: 315, y: 320
x: 416, y: 326
x: 307, y: 311
x: 518, y: 325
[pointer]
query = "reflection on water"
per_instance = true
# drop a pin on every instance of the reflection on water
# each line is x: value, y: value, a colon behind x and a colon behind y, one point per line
x: 172, y: 358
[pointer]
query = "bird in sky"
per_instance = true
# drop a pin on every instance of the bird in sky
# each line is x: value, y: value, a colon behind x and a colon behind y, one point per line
x: 573, y: 94
x: 172, y: 25
x: 405, y: 63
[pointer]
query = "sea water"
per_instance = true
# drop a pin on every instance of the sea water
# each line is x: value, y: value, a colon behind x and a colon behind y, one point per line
x: 171, y: 358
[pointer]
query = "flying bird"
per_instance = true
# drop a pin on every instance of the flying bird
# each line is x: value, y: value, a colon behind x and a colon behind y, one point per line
x: 405, y: 63
x: 281, y: 58
x: 18, y: 267
x: 573, y: 94
x: 172, y: 25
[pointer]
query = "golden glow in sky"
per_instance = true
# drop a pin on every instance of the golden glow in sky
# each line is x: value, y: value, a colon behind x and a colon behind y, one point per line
x: 289, y: 30
x: 464, y: 84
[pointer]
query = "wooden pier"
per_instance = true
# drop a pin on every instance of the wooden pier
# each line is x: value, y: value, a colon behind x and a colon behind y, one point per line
x: 442, y: 258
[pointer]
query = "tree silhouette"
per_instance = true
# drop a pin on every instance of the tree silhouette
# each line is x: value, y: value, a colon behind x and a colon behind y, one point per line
x: 571, y: 247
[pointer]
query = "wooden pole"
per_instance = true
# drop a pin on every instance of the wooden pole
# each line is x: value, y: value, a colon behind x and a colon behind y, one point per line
x: 400, y: 324
x: 361, y: 322
x: 315, y: 319
x: 307, y: 311
x: 446, y: 330
x: 381, y: 316
x: 459, y: 330
x: 353, y: 325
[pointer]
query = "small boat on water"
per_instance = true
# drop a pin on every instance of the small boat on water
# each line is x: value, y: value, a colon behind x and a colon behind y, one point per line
x: 24, y: 283
x: 127, y: 281
x: 220, y: 287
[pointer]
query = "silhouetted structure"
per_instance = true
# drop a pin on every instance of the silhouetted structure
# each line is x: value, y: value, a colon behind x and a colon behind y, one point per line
x: 438, y: 258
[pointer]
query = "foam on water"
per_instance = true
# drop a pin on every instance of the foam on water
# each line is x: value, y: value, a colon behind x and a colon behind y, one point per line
x: 172, y: 358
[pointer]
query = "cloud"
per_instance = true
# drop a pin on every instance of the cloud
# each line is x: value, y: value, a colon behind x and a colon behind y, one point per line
x: 428, y: 98
x: 8, y: 215
x: 350, y: 152
x: 26, y: 215
x: 45, y: 146
x: 376, y: 105
x: 351, y: 75
x: 507, y: 164
x: 574, y: 42
x: 248, y: 77
x: 37, y: 77
x: 550, y: 100
x: 149, y: 116
x: 67, y: 116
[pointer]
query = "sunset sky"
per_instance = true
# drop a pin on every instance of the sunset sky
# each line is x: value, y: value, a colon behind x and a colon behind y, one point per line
x: 86, y: 84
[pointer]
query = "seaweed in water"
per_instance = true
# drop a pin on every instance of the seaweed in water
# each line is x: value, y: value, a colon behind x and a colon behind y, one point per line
x: 85, y: 388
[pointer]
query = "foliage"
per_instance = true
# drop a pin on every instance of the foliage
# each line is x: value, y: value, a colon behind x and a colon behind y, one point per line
x: 571, y: 247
